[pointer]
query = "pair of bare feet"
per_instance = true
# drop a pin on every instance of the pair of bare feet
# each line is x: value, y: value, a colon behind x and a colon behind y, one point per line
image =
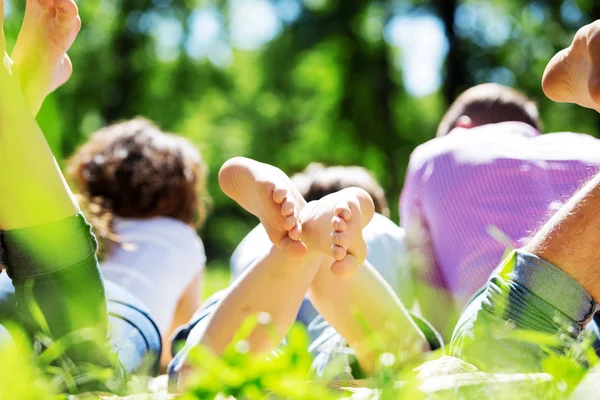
x: 40, y: 54
x: 329, y: 227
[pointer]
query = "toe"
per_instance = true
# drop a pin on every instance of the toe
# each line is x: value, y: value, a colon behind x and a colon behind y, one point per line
x: 292, y: 247
x: 66, y: 9
x: 279, y: 195
x: 343, y: 211
x: 341, y: 239
x: 290, y: 222
x: 287, y: 208
x: 345, y: 267
x: 296, y: 232
x: 339, y: 224
x: 338, y: 252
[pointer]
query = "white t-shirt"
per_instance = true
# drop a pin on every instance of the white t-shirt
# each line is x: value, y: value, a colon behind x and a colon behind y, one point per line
x: 156, y: 261
x: 386, y: 252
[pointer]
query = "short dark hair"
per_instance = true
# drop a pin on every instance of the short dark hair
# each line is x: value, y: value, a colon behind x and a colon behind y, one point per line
x: 488, y: 104
x: 134, y: 170
x: 317, y: 181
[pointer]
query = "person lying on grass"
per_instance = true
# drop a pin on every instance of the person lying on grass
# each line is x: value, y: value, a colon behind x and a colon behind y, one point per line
x: 318, y: 250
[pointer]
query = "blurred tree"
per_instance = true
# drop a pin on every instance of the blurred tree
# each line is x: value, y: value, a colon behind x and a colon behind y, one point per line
x: 326, y: 87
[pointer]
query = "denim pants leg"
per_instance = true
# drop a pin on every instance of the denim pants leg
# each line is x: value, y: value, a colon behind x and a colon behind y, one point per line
x: 529, y: 308
x: 54, y: 268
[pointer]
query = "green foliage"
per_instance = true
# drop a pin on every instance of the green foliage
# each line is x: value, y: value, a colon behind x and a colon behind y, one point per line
x: 244, y: 376
x: 328, y: 87
x: 20, y: 378
x: 285, y: 373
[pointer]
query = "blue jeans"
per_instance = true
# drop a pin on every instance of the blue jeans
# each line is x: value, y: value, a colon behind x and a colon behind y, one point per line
x: 528, y: 310
x: 54, y: 267
x: 133, y: 335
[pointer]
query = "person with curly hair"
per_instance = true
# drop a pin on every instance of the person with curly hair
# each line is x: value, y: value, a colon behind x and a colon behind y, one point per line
x: 145, y: 190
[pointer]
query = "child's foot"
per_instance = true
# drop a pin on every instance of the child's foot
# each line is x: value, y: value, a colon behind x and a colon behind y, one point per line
x: 40, y: 55
x: 268, y: 193
x: 573, y: 74
x: 333, y: 226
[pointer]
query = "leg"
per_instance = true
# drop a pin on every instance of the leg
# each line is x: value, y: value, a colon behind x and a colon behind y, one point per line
x: 58, y: 289
x: 573, y: 75
x: 133, y: 334
x: 49, y: 250
x: 38, y: 191
x: 40, y: 55
x: 268, y: 193
x: 284, y: 278
x: 364, y: 307
x: 528, y: 294
x: 360, y: 305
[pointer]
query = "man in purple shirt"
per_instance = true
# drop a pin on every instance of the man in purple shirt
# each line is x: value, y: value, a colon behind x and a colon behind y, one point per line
x: 481, y: 188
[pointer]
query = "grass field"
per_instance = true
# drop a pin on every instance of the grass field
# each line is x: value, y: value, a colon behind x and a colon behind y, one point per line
x: 240, y: 375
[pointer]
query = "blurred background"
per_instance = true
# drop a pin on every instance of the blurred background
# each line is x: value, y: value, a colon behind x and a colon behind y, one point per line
x: 289, y: 82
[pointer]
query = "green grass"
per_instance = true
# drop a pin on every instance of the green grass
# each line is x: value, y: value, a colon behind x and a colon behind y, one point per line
x: 24, y: 376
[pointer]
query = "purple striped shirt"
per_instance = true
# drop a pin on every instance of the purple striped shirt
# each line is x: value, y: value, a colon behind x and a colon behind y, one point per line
x: 476, y: 192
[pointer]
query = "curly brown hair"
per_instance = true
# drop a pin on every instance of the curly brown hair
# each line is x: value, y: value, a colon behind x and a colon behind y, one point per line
x: 134, y: 170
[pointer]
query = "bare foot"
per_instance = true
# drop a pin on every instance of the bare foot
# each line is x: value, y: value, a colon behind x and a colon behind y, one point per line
x: 40, y: 55
x: 268, y: 193
x: 333, y: 226
x: 573, y: 74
